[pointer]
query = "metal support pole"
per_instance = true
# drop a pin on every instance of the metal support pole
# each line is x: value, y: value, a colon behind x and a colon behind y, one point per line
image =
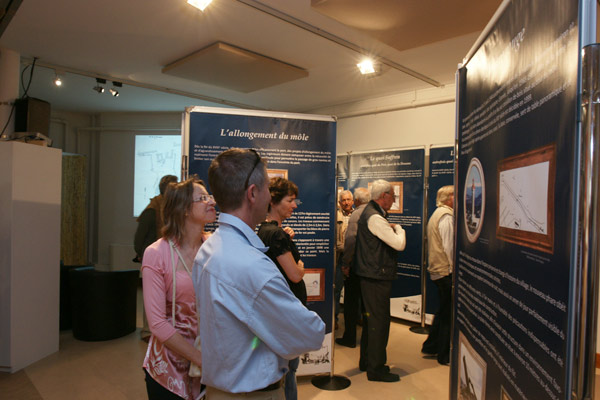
x: 589, y: 220
x: 331, y: 381
x: 422, y: 329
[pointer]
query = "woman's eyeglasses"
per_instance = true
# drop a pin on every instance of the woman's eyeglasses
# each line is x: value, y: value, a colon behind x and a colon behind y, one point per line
x: 204, y: 198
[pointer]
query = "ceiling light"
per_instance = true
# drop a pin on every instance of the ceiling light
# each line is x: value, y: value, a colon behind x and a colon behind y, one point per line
x: 366, y: 67
x: 99, y: 82
x: 200, y: 4
x: 114, y: 91
x: 57, y: 80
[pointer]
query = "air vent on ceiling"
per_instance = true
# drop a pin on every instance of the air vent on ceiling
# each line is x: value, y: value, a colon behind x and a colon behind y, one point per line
x: 231, y: 67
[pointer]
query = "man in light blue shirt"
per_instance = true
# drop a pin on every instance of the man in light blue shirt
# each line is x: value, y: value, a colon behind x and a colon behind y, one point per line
x: 250, y: 322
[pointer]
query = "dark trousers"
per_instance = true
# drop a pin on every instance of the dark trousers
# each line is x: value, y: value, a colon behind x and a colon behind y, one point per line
x: 351, y: 302
x: 157, y: 392
x: 376, y: 323
x: 338, y: 284
x: 438, y: 341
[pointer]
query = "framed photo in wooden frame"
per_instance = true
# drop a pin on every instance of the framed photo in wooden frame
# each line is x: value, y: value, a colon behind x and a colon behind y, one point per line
x: 314, y: 279
x: 525, y: 203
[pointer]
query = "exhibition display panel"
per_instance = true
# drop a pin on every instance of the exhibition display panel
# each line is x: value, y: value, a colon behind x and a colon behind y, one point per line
x: 297, y: 147
x: 520, y: 281
x: 404, y: 169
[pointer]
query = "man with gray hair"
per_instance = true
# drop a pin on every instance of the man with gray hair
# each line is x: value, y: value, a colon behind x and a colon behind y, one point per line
x: 343, y: 216
x: 250, y: 323
x: 440, y: 247
x: 351, y: 281
x: 375, y: 259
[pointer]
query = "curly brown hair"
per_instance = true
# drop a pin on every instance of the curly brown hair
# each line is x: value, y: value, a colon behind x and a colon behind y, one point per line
x: 281, y: 187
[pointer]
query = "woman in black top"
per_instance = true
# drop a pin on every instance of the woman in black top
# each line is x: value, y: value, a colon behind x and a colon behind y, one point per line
x: 284, y: 253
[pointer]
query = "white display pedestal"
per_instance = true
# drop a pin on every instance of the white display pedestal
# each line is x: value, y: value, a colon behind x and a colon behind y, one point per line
x: 30, y: 197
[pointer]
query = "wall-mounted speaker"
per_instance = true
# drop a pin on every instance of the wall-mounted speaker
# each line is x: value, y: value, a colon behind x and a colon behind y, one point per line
x: 32, y: 115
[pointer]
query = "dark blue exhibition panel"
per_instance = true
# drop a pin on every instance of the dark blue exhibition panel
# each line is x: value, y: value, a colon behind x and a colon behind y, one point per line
x: 300, y: 148
x: 441, y: 173
x: 404, y: 169
x: 517, y: 134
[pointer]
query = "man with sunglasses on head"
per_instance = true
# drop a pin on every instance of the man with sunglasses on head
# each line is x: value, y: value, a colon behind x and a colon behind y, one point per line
x: 250, y: 323
x: 375, y: 260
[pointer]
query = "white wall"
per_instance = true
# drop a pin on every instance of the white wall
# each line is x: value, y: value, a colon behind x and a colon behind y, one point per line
x: 116, y: 224
x: 405, y: 128
x: 424, y: 117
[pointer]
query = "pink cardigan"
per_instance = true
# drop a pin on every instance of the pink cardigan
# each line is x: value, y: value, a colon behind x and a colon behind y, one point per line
x: 164, y: 366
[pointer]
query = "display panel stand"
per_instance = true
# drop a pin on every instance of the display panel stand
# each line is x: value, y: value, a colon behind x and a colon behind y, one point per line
x: 331, y: 381
x: 422, y: 329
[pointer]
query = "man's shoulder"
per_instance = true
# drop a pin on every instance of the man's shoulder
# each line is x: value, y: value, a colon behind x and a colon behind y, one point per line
x: 371, y: 209
x: 148, y: 213
x: 357, y: 213
x: 443, y: 210
x: 233, y: 261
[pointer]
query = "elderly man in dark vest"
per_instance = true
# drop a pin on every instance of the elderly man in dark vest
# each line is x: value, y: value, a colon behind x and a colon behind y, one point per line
x: 377, y: 244
x: 440, y: 246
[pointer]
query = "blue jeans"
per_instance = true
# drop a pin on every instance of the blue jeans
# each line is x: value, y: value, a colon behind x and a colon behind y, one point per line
x: 290, y: 388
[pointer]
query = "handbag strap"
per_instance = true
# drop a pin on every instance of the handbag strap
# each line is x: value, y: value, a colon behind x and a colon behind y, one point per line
x: 172, y: 246
x: 174, y: 265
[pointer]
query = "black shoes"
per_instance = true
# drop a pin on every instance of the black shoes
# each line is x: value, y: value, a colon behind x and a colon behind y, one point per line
x: 363, y: 367
x: 383, y: 377
x: 383, y: 374
x: 444, y: 360
x: 347, y: 343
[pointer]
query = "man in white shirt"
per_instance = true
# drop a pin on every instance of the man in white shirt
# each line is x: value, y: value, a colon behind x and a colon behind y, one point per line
x: 250, y: 323
x: 440, y: 246
x: 375, y: 261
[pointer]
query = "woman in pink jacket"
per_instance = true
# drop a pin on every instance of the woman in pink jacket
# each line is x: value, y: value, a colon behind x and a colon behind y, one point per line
x: 169, y: 297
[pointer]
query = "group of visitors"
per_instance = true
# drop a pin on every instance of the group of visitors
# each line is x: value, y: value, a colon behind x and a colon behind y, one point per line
x: 229, y: 309
x: 367, y: 258
x: 216, y: 305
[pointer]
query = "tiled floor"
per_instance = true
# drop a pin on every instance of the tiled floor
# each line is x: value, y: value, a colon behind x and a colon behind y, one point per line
x: 112, y: 370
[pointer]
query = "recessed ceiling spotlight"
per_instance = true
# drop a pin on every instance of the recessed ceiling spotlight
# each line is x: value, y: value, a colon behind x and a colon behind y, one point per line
x: 199, y: 4
x: 99, y: 82
x: 366, y: 67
